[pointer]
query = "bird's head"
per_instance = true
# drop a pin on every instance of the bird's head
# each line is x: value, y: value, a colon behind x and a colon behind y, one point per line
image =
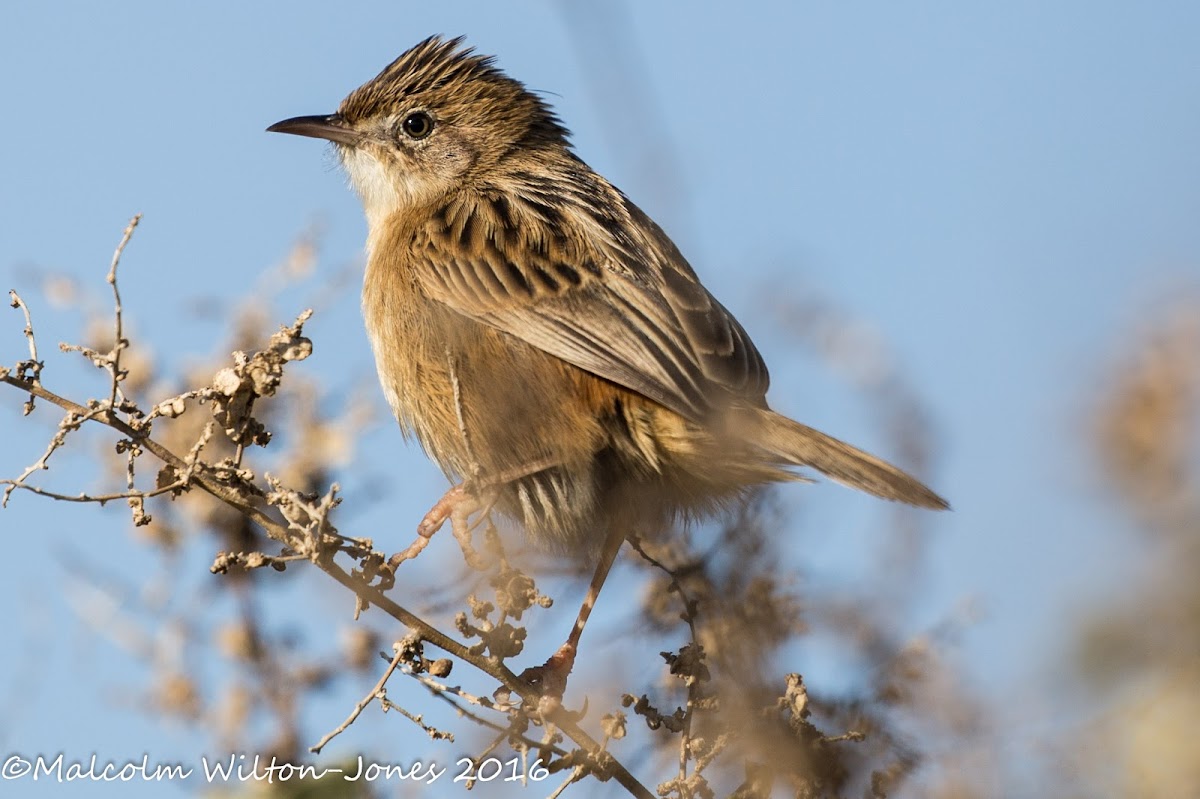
x: 436, y: 119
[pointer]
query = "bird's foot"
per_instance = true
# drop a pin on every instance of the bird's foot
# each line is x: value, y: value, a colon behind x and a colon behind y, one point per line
x: 458, y: 504
x: 550, y: 678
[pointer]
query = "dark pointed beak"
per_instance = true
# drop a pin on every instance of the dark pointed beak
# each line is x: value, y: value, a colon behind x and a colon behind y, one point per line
x: 331, y: 127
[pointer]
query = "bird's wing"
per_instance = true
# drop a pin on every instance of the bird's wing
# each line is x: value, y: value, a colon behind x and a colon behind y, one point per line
x: 610, y: 294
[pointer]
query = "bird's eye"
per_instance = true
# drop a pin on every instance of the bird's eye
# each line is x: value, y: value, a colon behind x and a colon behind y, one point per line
x: 417, y: 125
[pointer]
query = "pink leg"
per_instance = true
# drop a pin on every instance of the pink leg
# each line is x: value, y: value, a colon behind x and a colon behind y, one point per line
x: 551, y: 676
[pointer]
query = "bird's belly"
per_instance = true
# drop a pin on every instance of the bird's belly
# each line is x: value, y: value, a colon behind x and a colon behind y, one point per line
x: 482, y: 403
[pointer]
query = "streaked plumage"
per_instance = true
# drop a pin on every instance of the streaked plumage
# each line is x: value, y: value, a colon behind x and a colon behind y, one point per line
x: 533, y: 328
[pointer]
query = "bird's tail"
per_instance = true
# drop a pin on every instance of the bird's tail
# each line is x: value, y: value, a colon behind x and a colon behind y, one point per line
x: 799, y: 445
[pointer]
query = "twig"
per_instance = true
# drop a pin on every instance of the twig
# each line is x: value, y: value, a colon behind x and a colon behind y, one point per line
x: 119, y: 342
x: 175, y: 406
x: 575, y: 776
x: 99, y: 499
x: 416, y: 718
x: 71, y: 422
x: 378, y: 692
x: 445, y: 692
x: 693, y: 684
x: 30, y: 370
x: 469, y: 782
x: 16, y: 302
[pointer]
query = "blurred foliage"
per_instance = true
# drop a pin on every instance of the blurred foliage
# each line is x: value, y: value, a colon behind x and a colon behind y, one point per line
x: 1139, y: 656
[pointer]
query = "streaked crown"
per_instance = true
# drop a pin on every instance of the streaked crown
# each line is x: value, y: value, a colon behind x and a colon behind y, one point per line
x: 468, y: 90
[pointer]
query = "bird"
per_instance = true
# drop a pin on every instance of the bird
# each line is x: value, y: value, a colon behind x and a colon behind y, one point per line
x: 542, y: 338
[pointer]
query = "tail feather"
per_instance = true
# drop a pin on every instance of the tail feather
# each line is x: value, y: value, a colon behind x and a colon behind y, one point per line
x: 800, y: 445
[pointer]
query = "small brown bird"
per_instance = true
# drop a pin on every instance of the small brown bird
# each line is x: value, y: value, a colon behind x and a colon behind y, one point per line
x: 541, y: 336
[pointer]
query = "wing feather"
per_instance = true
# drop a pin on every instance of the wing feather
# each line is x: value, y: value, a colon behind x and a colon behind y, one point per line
x: 612, y: 296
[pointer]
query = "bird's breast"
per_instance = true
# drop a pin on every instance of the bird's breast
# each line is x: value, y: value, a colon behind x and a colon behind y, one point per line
x: 398, y: 321
x: 480, y: 401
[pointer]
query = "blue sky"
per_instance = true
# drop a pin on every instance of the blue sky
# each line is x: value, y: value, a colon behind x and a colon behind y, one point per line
x: 998, y: 190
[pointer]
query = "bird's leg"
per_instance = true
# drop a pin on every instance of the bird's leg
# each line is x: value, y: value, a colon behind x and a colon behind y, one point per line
x: 551, y: 676
x: 460, y: 516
